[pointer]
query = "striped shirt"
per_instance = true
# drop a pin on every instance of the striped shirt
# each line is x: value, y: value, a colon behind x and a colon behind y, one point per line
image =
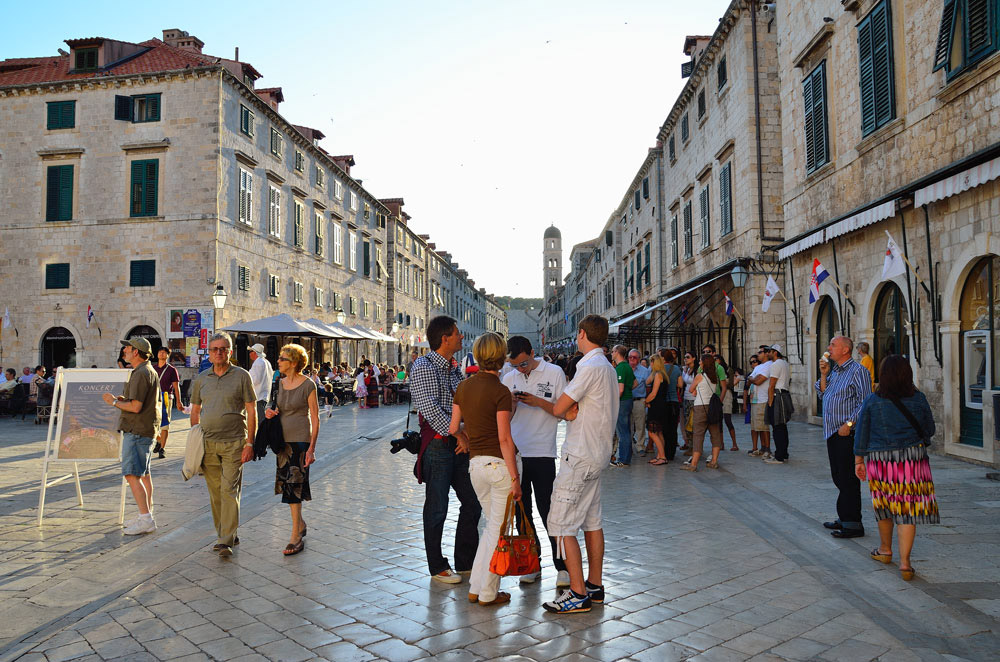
x: 433, y: 381
x: 847, y: 386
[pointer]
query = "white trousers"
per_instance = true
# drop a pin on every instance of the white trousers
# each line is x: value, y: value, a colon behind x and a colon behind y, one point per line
x: 491, y: 481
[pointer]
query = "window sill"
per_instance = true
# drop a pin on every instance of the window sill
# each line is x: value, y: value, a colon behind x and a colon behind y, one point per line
x: 153, y: 217
x: 970, y: 77
x: 274, y: 240
x: 880, y: 135
x: 820, y: 173
x: 723, y: 91
x: 702, y: 119
x: 244, y: 225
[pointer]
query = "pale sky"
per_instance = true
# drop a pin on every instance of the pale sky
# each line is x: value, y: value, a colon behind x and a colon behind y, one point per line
x: 491, y: 119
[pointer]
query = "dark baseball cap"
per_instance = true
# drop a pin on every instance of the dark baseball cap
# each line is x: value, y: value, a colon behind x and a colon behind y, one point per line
x: 140, y: 344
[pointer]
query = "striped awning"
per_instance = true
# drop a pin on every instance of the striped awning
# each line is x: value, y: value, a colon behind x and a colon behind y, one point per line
x: 963, y: 181
x: 841, y: 227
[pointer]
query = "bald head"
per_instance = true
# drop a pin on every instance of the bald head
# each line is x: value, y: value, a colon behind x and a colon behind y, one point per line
x: 841, y: 348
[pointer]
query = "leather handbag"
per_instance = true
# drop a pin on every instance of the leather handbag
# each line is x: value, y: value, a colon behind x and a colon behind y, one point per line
x: 515, y: 554
x: 269, y: 432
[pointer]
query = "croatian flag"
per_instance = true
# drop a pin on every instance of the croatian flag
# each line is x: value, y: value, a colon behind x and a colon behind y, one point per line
x: 729, y: 304
x: 90, y: 315
x: 819, y: 274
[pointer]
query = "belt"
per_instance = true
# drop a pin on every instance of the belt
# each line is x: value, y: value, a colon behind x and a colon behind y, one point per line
x: 640, y: 397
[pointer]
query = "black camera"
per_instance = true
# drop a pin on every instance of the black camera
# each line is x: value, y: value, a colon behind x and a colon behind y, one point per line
x: 409, y: 441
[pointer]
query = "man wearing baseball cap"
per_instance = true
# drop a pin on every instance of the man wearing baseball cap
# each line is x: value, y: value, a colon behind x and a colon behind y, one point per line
x: 779, y: 403
x: 261, y: 373
x: 139, y: 421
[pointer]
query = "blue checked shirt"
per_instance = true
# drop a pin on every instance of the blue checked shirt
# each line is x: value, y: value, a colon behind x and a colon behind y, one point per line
x: 432, y: 386
x: 847, y: 386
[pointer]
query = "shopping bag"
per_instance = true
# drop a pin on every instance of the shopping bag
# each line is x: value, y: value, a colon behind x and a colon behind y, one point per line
x: 515, y: 554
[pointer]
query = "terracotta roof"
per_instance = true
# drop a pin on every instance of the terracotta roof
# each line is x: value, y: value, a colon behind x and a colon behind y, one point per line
x: 159, y: 57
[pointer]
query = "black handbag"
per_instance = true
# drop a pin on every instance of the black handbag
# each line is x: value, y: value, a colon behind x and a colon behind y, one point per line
x: 714, y: 410
x: 269, y: 432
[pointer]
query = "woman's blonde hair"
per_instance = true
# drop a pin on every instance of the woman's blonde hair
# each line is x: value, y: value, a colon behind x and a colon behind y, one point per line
x: 490, y: 351
x: 657, y: 365
x: 298, y: 355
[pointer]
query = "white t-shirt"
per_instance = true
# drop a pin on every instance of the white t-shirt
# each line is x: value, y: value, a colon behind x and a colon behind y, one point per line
x: 533, y: 428
x: 595, y: 389
x: 760, y: 390
x: 779, y: 369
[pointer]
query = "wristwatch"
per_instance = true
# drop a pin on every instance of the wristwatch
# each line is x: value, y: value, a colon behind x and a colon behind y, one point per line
x: 850, y: 425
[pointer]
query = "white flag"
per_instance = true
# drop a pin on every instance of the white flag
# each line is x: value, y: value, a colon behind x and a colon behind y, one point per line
x: 770, y: 290
x: 6, y: 318
x: 893, y: 265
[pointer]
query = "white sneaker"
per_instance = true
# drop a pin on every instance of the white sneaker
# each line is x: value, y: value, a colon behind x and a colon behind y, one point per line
x: 447, y: 577
x: 530, y: 578
x: 562, y: 579
x: 140, y: 526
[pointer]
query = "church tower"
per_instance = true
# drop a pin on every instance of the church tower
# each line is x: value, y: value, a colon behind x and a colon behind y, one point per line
x: 551, y: 261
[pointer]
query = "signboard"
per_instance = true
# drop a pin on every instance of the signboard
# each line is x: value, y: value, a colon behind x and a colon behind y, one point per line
x: 189, y: 321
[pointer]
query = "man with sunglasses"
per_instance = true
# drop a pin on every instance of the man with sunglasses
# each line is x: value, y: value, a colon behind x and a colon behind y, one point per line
x: 223, y: 402
x: 536, y: 385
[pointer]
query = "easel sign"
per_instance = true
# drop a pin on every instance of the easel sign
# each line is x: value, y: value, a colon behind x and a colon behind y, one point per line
x: 82, y: 428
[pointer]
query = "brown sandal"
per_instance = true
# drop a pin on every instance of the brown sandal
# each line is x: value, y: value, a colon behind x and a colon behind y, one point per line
x: 292, y: 549
x: 880, y: 557
x: 502, y: 598
x: 907, y: 573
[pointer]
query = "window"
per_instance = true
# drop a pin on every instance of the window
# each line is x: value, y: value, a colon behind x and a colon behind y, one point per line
x: 60, y: 115
x: 272, y: 286
x: 243, y: 278
x: 59, y: 193
x: 968, y: 33
x: 352, y: 305
x: 320, y: 178
x: 299, y: 225
x: 685, y: 133
x: 319, y: 239
x: 645, y: 187
x: 721, y: 75
x: 352, y: 248
x: 138, y: 108
x: 688, y: 231
x: 701, y: 103
x: 144, y: 188
x: 875, y: 74
x: 378, y: 312
x: 726, y: 198
x: 814, y: 96
x: 273, y: 211
x: 366, y: 261
x: 246, y: 197
x: 246, y: 120
x: 338, y: 189
x: 636, y: 196
x: 646, y: 268
x: 142, y: 273
x: 705, y: 201
x: 300, y: 161
x: 354, y: 201
x: 86, y: 60
x: 378, y: 264
x: 671, y: 150
x: 275, y: 143
x: 338, y: 303
x: 365, y: 309
x: 338, y: 243
x: 57, y: 276
x: 368, y: 211
x: 318, y: 297
x: 297, y: 291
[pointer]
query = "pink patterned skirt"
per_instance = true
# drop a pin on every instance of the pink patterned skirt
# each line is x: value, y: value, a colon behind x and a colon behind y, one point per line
x: 901, y: 485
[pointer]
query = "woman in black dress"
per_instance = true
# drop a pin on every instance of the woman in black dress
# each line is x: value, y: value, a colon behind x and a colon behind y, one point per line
x: 656, y: 415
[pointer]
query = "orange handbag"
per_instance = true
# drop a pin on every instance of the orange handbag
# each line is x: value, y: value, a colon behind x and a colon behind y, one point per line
x: 515, y: 554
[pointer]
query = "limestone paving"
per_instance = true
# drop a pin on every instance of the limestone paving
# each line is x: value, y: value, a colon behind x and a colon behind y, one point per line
x: 718, y: 565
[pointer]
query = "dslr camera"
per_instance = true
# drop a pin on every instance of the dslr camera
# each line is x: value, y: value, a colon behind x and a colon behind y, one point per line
x: 409, y: 441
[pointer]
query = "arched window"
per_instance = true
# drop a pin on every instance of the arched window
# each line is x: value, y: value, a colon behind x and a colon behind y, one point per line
x: 58, y: 348
x: 890, y: 325
x: 147, y: 332
x: 825, y: 331
x: 978, y: 362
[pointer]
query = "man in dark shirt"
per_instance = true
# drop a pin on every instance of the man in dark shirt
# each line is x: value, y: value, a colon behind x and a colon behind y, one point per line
x: 139, y: 422
x: 170, y: 390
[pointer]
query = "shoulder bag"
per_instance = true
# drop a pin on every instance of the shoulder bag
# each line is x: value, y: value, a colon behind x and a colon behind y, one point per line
x: 269, y: 432
x: 515, y: 554
x: 911, y: 418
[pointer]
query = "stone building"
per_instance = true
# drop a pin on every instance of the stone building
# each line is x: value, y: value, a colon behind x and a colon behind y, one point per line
x: 407, y: 297
x: 909, y: 145
x: 137, y: 178
x: 552, y: 261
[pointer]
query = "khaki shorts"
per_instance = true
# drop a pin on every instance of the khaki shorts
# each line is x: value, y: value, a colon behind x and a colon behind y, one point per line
x: 757, y: 423
x: 576, y: 498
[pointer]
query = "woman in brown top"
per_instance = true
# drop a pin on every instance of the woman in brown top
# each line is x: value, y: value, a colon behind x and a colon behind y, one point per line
x: 485, y: 405
x: 299, y: 408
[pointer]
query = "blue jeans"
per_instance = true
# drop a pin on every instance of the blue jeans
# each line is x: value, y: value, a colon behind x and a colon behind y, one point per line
x: 624, y: 430
x: 444, y: 470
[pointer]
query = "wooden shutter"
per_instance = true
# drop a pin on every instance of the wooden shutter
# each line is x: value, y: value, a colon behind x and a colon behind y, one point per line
x: 725, y: 198
x: 980, y: 21
x: 123, y: 108
x: 670, y: 146
x: 637, y: 198
x: 807, y: 101
x: 144, y: 187
x: 645, y: 187
x: 646, y: 268
x: 875, y: 69
x: 706, y: 234
x: 142, y: 273
x: 866, y: 75
x: 151, y: 187
x: 943, y: 48
x: 152, y: 108
x: 59, y: 193
x: 819, y: 116
x: 57, y: 276
x: 60, y: 115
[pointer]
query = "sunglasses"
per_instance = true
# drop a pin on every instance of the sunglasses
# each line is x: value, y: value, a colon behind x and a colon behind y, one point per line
x: 522, y: 364
x: 218, y: 349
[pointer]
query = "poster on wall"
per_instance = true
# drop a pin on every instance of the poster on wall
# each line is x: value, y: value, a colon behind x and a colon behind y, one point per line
x: 189, y: 321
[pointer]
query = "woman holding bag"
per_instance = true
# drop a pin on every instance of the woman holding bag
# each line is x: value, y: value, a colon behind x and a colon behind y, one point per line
x: 890, y: 452
x: 705, y: 385
x: 299, y: 410
x: 485, y: 405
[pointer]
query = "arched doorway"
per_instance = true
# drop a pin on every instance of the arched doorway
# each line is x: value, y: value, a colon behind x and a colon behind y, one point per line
x: 734, y: 354
x: 147, y: 332
x: 978, y: 347
x: 891, y: 336
x: 826, y: 329
x: 58, y: 348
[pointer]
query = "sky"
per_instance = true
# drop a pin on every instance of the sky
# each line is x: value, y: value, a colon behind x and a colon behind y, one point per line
x: 492, y: 120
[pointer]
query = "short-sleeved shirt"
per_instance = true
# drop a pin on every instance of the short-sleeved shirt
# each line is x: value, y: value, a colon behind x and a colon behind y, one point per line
x: 641, y: 372
x: 168, y: 377
x: 675, y: 379
x: 480, y: 397
x: 533, y: 428
x: 720, y: 376
x: 869, y: 364
x: 760, y: 390
x: 143, y: 385
x: 595, y: 389
x: 779, y: 369
x: 223, y: 403
x: 626, y: 377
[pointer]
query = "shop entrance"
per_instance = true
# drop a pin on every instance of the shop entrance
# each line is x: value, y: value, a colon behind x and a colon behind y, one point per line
x: 58, y: 348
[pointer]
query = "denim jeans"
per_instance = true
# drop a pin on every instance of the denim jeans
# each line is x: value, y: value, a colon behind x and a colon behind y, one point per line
x: 624, y: 430
x: 444, y: 470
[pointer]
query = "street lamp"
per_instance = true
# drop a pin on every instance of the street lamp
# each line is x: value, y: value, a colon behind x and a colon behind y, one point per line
x: 341, y: 317
x: 740, y: 275
x: 395, y: 328
x: 219, y: 296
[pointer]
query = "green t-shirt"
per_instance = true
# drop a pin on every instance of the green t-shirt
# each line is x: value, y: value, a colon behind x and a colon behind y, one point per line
x: 721, y: 374
x: 626, y: 377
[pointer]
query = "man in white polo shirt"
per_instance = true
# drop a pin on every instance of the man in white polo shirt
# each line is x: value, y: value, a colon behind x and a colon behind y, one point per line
x: 779, y: 403
x: 536, y: 386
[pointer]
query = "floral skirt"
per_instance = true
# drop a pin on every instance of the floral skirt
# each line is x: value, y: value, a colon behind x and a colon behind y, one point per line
x: 901, y: 485
x: 291, y: 479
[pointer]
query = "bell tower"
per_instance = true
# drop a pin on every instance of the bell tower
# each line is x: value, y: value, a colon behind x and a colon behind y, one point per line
x: 551, y: 261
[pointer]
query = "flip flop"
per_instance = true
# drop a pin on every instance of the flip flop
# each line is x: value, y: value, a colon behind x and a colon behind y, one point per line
x: 880, y: 557
x: 658, y: 461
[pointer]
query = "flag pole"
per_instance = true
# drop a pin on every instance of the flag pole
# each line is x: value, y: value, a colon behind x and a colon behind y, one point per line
x: 912, y: 268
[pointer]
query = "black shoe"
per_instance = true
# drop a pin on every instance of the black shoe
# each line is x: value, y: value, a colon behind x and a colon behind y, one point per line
x: 595, y: 593
x: 833, y: 525
x: 848, y: 533
x: 161, y: 454
x: 158, y: 448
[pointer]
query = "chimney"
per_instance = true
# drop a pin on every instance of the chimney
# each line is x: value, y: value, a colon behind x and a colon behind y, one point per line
x: 272, y: 96
x: 345, y: 162
x: 182, y: 40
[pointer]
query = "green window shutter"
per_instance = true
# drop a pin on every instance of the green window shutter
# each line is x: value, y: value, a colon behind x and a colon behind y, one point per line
x: 725, y: 199
x: 144, y: 188
x: 60, y: 115
x: 979, y: 35
x: 647, y: 264
x: 123, y: 108
x: 59, y: 193
x: 142, y: 273
x: 57, y: 276
x: 366, y: 252
x: 866, y: 76
x: 152, y: 109
x: 819, y: 116
x: 68, y: 114
x: 152, y: 173
x: 943, y: 48
x: 875, y: 69
x: 807, y: 98
x: 53, y: 120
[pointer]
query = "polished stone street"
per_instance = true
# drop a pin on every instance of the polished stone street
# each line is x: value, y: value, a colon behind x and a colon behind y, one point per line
x: 718, y: 565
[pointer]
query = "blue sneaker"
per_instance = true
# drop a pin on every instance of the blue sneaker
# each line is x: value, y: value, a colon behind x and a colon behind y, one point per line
x: 595, y: 593
x: 568, y: 603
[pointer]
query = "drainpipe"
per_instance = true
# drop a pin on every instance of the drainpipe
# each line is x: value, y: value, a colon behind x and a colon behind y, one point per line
x: 756, y: 105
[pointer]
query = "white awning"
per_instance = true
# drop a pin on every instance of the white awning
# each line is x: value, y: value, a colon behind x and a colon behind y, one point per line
x: 841, y: 227
x: 649, y: 309
x: 963, y: 181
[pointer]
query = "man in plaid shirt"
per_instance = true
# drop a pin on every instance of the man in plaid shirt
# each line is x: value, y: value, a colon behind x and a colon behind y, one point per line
x: 443, y: 461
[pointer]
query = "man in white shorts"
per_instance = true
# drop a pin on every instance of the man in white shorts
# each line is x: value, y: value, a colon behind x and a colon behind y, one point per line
x: 758, y: 426
x: 590, y: 404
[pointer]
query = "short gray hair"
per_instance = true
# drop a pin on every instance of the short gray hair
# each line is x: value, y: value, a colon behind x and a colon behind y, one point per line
x: 221, y: 335
x: 637, y: 352
x: 847, y: 341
